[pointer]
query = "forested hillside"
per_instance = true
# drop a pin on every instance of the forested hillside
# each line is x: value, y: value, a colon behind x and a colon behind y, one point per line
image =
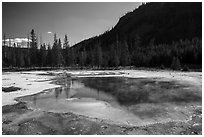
x: 153, y: 35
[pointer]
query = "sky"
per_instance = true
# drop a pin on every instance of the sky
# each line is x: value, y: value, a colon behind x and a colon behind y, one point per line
x: 78, y: 20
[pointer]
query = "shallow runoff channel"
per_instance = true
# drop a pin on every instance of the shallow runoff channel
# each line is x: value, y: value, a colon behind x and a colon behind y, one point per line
x: 119, y: 100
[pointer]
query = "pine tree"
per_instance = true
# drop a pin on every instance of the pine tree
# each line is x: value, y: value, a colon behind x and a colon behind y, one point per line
x: 33, y: 40
x: 4, y: 40
x: 98, y: 55
x: 49, y: 56
x: 28, y: 42
x: 19, y: 60
x: 66, y: 52
x: 42, y: 55
x: 22, y: 61
x: 66, y: 42
x: 67, y: 55
x: 56, y: 49
x: 176, y: 64
x: 55, y: 54
x: 33, y: 50
x: 113, y: 57
x: 125, y: 55
x: 59, y: 44
x: 4, y: 51
x: 82, y: 58
x: 61, y: 59
x: 116, y: 60
x: 72, y: 57
x: 13, y: 56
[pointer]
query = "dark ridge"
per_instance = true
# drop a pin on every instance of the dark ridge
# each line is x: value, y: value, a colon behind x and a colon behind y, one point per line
x: 162, y: 21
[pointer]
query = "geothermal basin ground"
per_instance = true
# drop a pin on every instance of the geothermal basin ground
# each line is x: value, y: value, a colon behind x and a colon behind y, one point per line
x: 102, y: 102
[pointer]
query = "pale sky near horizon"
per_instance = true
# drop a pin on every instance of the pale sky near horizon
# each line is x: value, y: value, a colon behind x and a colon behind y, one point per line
x: 78, y: 20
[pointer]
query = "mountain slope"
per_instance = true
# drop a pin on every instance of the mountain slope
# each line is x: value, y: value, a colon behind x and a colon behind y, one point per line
x: 161, y: 22
x: 153, y: 35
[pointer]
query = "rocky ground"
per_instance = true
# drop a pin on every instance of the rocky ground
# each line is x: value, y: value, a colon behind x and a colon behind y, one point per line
x: 18, y: 120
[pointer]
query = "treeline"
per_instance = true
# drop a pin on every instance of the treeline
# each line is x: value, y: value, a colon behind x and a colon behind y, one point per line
x: 164, y: 35
x: 177, y: 55
x: 55, y: 55
x: 180, y: 54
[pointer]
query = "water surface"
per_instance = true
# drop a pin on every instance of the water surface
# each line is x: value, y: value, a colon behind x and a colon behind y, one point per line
x: 123, y: 100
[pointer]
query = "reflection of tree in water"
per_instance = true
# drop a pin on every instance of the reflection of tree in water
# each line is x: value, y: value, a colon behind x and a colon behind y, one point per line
x: 67, y: 87
x: 58, y: 91
x: 34, y: 100
x: 71, y: 82
x: 98, y: 94
x: 66, y: 90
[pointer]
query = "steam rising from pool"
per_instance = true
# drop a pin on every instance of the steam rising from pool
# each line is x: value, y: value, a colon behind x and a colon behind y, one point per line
x: 135, y: 102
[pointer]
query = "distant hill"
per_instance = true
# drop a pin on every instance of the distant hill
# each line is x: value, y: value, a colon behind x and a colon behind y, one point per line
x: 161, y: 22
